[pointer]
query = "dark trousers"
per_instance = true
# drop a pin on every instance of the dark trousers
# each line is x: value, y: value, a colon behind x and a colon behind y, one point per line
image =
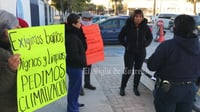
x: 87, y: 73
x: 74, y: 86
x: 130, y: 60
x: 179, y: 98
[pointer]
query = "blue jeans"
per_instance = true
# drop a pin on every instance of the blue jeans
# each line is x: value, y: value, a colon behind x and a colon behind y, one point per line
x: 179, y: 98
x: 74, y: 86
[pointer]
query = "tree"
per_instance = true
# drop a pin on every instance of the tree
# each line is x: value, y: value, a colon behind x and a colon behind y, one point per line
x: 194, y: 4
x: 90, y: 7
x: 115, y: 6
x: 120, y: 7
x: 100, y: 9
x: 67, y: 6
x: 154, y: 7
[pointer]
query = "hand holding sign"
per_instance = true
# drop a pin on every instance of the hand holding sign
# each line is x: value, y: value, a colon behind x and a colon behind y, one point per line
x: 14, y: 61
x: 41, y: 77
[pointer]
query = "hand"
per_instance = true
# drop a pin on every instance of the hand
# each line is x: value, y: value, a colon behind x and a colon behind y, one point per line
x: 14, y: 61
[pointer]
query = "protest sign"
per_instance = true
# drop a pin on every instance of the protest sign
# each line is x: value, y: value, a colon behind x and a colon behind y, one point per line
x: 95, y: 49
x: 41, y: 76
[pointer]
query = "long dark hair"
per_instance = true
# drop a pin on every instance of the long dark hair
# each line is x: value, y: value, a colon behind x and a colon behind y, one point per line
x: 137, y: 11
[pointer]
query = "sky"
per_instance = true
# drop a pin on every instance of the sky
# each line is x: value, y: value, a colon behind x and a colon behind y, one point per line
x: 100, y: 2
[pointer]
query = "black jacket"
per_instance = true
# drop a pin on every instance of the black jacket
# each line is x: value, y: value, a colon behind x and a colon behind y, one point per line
x: 135, y: 39
x: 8, y: 81
x: 75, y: 47
x: 177, y: 59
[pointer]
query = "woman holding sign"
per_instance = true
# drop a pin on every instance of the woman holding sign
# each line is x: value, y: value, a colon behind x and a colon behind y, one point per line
x: 8, y: 64
x: 76, y: 60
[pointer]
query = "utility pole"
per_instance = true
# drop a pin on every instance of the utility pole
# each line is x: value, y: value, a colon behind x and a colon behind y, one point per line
x: 154, y: 7
x: 195, y: 3
x: 62, y: 9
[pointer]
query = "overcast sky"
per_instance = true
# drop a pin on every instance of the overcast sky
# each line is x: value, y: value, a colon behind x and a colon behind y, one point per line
x: 100, y: 2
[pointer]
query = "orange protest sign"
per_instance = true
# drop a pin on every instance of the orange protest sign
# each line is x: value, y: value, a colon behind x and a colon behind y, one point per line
x: 95, y: 49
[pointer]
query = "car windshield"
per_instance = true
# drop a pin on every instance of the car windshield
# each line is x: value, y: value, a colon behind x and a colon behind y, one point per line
x: 173, y: 17
x: 166, y: 16
x: 95, y: 19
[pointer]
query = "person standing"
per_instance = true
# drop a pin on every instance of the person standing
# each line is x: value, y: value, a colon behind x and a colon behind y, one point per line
x: 135, y: 36
x: 76, y: 60
x: 176, y: 65
x: 9, y: 64
x: 86, y: 20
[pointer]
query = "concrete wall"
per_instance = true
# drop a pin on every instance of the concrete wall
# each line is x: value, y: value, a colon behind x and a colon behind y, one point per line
x: 10, y: 5
x: 26, y: 8
x: 33, y: 11
x: 162, y: 6
x: 41, y: 12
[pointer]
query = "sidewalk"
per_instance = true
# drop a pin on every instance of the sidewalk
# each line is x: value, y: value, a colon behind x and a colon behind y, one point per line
x: 109, y: 78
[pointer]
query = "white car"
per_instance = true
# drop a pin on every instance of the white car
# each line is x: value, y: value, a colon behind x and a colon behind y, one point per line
x: 165, y: 17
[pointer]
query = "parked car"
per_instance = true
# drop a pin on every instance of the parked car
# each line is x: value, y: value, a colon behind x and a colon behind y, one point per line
x: 111, y: 27
x: 196, y: 18
x: 165, y: 17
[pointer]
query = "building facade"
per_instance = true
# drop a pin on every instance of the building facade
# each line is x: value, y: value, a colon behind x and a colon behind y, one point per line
x: 161, y: 6
x: 35, y: 12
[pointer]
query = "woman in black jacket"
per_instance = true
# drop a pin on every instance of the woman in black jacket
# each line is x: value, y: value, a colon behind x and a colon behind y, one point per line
x: 135, y: 36
x: 76, y: 60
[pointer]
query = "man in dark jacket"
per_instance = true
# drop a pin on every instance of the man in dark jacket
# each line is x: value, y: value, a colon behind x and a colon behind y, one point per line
x: 8, y: 64
x: 176, y: 65
x: 135, y: 36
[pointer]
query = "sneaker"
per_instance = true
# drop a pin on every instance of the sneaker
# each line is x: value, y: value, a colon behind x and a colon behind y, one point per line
x: 82, y: 93
x: 89, y: 86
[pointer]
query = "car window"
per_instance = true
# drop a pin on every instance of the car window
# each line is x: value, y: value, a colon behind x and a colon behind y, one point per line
x: 110, y: 24
x: 104, y: 17
x: 95, y: 19
x: 122, y: 22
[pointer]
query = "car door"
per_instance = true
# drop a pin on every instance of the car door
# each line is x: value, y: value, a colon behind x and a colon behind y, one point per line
x: 110, y: 29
